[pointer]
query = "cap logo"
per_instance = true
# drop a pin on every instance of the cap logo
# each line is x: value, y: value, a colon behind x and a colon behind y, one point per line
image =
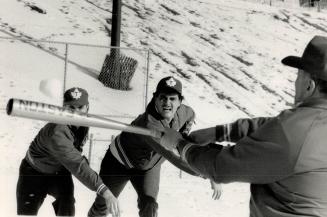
x: 76, y: 94
x: 171, y: 82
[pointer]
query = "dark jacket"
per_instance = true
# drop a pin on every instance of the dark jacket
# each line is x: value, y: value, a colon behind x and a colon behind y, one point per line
x: 284, y: 159
x: 57, y: 147
x: 136, y: 151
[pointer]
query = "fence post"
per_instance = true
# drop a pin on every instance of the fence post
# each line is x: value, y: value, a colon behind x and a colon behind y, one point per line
x: 90, y: 148
x: 65, y: 69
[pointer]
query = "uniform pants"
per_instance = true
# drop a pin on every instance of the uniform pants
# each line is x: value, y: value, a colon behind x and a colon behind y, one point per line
x: 115, y: 176
x: 33, y: 187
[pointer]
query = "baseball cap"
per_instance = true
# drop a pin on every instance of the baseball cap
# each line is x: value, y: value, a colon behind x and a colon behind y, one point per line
x: 76, y: 96
x: 313, y: 60
x: 169, y: 84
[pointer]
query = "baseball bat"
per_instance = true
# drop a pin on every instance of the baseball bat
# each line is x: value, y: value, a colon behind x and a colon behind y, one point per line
x: 62, y: 115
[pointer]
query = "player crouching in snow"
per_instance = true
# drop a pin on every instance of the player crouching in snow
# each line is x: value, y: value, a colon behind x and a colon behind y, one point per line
x: 52, y: 157
x: 135, y: 158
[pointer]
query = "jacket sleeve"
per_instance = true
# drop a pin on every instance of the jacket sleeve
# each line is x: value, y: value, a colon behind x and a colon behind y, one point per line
x: 62, y: 148
x: 260, y: 158
x: 237, y: 130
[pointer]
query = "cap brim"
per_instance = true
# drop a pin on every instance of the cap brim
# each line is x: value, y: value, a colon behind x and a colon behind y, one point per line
x: 293, y: 61
x: 169, y: 90
x: 75, y: 103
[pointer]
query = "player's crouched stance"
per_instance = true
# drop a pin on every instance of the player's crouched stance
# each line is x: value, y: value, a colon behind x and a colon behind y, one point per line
x: 138, y: 158
x: 52, y: 157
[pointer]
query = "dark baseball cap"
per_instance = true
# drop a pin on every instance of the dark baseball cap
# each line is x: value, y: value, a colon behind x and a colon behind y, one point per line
x: 169, y: 84
x: 76, y: 96
x: 313, y: 60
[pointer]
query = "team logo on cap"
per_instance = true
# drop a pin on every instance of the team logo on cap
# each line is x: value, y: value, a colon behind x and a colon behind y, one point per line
x: 76, y: 94
x: 171, y: 82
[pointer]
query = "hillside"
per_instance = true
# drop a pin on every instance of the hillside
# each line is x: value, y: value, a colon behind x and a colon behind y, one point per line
x: 227, y: 49
x: 227, y: 54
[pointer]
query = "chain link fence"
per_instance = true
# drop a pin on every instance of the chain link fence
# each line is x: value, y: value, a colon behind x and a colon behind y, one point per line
x: 96, y: 148
x: 27, y: 63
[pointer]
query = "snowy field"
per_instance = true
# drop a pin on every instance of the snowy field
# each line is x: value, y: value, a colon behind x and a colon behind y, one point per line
x: 227, y: 55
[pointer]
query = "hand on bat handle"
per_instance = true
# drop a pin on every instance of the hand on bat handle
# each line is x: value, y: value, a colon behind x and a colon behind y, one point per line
x: 170, y: 139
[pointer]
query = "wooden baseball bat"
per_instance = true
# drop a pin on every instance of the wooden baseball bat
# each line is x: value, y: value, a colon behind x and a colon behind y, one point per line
x: 61, y: 115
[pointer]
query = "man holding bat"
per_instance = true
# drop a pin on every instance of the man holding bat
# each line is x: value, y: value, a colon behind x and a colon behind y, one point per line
x: 51, y: 158
x: 282, y: 157
x: 136, y: 158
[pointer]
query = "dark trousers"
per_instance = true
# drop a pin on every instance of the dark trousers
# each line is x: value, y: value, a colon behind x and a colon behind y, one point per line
x: 115, y: 176
x: 33, y: 187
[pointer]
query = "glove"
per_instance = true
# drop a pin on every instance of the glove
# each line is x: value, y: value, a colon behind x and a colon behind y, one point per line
x: 170, y: 139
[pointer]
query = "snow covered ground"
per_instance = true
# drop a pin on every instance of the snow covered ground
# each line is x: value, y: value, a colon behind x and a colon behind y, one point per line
x: 227, y: 54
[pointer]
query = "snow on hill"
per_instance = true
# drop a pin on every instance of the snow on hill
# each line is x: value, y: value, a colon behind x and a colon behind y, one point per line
x: 227, y: 53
